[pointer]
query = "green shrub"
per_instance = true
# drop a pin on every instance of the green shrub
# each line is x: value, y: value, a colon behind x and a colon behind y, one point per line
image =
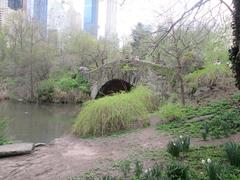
x: 209, y: 76
x: 114, y: 113
x: 69, y: 82
x: 222, y: 118
x: 3, y: 139
x: 45, y: 90
x: 233, y: 153
x: 138, y: 169
x: 182, y: 144
x: 174, y: 149
x: 154, y: 173
x: 205, y: 132
x: 214, y: 170
x: 125, y: 167
x: 225, y: 123
x: 171, y: 112
x: 177, y: 170
x: 109, y: 178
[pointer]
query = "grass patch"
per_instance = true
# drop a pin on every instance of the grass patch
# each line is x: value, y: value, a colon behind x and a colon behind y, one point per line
x: 224, y: 119
x: 193, y: 160
x: 170, y: 112
x: 110, y: 114
x: 158, y: 164
x: 3, y: 139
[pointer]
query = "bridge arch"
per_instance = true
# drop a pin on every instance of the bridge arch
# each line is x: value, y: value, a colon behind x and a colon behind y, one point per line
x: 114, y: 86
x: 110, y: 76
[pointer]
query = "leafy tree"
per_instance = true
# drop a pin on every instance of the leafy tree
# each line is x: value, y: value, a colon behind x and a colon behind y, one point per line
x: 85, y: 50
x: 142, y: 37
x: 27, y: 61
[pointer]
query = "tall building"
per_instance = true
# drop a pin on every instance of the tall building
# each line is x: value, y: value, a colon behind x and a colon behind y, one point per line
x: 73, y: 20
x: 56, y: 15
x: 3, y: 11
x: 40, y: 12
x: 111, y: 18
x: 91, y: 17
x: 15, y: 4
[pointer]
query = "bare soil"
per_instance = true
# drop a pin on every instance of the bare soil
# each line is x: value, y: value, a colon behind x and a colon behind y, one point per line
x: 70, y: 156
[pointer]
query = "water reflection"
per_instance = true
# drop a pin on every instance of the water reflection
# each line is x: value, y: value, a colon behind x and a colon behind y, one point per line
x: 37, y: 123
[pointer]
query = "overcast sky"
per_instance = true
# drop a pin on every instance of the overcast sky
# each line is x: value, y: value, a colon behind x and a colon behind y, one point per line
x: 145, y: 11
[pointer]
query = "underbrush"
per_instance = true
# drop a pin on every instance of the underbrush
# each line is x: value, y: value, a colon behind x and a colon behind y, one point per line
x: 65, y: 88
x: 219, y: 119
x: 209, y: 76
x: 115, y: 113
x: 3, y: 139
x: 203, y: 162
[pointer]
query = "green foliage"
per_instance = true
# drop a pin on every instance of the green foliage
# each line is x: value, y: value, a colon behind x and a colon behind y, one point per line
x: 233, y: 153
x: 225, y: 123
x: 173, y: 148
x: 45, y: 89
x: 170, y: 112
x: 109, y: 178
x: 3, y: 139
x: 194, y: 158
x: 49, y: 88
x: 114, y: 113
x: 141, y: 40
x: 138, y: 169
x: 125, y: 167
x: 68, y: 82
x: 182, y: 144
x: 205, y: 132
x: 154, y: 173
x: 210, y: 75
x: 222, y: 119
x: 176, y: 171
x: 214, y: 170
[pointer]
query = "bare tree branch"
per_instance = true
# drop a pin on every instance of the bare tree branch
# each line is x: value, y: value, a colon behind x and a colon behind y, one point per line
x: 197, y: 5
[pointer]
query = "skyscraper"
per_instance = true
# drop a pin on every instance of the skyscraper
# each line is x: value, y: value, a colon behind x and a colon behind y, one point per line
x: 111, y: 18
x: 4, y: 10
x: 73, y: 20
x: 91, y: 17
x: 40, y: 12
x: 15, y: 4
x: 56, y: 15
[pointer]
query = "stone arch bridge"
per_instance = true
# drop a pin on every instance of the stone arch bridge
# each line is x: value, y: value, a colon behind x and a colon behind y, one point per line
x: 124, y: 74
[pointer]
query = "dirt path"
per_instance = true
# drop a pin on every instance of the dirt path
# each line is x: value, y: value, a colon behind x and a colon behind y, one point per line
x: 70, y: 156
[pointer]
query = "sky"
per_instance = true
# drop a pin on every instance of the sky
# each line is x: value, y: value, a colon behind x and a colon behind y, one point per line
x: 144, y: 11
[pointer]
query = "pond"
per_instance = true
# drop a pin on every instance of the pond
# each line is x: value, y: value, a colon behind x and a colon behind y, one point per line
x: 37, y: 123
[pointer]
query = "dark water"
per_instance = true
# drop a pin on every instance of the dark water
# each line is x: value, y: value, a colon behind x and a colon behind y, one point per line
x: 37, y: 123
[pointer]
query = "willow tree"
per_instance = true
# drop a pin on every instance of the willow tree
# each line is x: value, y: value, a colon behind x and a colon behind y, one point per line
x: 234, y: 52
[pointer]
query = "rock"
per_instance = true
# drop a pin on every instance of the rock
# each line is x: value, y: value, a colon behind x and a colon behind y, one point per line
x: 83, y: 69
x: 16, y: 149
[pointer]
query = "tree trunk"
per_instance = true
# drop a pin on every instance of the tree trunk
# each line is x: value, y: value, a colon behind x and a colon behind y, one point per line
x: 234, y: 52
x: 181, y: 81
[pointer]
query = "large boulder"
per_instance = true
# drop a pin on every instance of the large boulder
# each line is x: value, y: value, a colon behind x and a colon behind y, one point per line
x: 16, y: 149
